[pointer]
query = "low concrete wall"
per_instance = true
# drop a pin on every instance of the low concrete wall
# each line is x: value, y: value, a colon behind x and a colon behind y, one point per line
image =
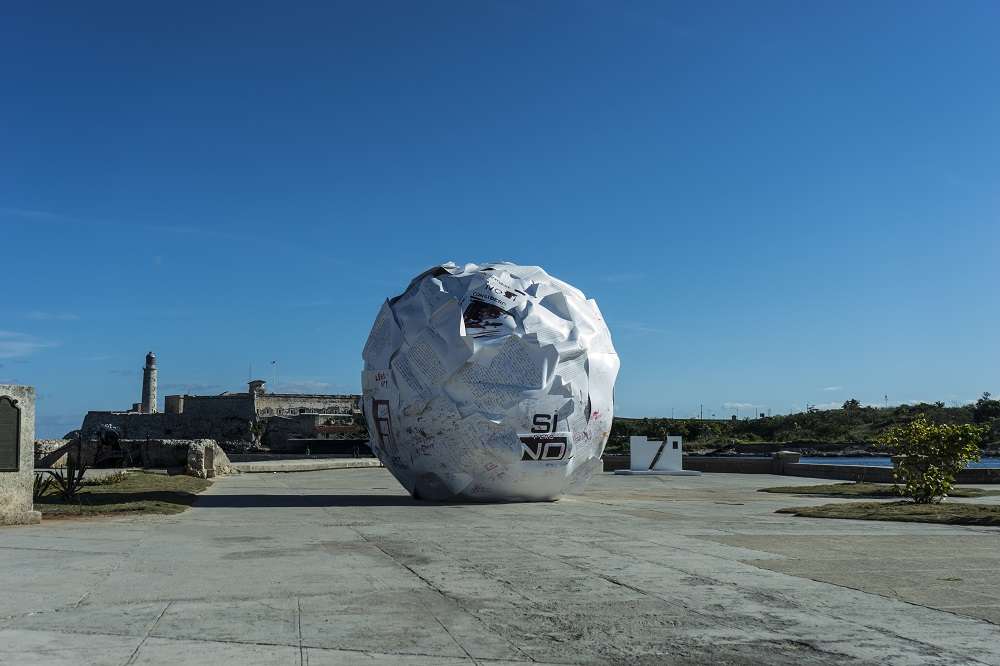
x: 789, y: 466
x: 990, y: 475
x: 866, y: 473
x: 615, y: 461
x: 711, y: 464
x: 733, y: 465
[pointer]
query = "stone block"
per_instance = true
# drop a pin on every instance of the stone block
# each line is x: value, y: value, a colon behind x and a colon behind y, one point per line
x: 206, y: 459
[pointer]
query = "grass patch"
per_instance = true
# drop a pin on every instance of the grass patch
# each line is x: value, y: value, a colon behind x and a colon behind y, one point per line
x: 946, y: 512
x: 136, y: 492
x: 872, y: 490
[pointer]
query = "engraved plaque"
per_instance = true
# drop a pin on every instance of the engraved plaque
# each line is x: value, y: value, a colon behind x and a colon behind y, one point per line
x: 10, y: 435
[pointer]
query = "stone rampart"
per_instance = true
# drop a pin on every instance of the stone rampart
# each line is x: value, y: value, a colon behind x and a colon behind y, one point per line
x: 169, y: 426
x: 237, y: 405
x: 296, y: 433
x: 288, y: 404
x: 239, y: 421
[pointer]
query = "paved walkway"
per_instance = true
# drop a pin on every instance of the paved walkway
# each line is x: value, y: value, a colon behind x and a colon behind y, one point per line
x: 340, y: 567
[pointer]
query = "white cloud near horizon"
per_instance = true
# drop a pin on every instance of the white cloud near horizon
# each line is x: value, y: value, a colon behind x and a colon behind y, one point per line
x: 19, y: 345
x: 301, y: 386
x: 635, y: 327
x: 29, y: 213
x: 833, y: 388
x: 41, y: 315
x: 741, y: 405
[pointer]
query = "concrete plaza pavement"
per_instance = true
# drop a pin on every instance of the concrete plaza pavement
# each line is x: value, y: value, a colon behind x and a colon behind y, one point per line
x: 341, y: 567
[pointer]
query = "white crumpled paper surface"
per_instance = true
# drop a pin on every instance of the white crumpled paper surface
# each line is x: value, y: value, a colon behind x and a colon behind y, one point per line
x: 489, y: 382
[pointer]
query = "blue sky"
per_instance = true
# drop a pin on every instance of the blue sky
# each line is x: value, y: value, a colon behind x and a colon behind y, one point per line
x: 774, y: 204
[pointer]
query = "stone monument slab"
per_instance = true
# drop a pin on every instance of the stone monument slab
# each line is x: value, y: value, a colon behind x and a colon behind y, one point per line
x: 653, y: 457
x: 17, y: 455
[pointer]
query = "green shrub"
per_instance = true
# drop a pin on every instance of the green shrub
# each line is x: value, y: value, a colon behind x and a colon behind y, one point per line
x: 41, y: 486
x: 931, y: 455
x: 69, y: 480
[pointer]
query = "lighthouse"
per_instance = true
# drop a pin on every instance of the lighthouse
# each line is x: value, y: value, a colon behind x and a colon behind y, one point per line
x: 149, y: 385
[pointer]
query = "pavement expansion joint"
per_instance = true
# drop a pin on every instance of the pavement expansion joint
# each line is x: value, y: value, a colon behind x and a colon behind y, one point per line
x: 117, y: 565
x: 445, y: 596
x: 149, y: 631
x: 455, y: 640
x: 298, y: 628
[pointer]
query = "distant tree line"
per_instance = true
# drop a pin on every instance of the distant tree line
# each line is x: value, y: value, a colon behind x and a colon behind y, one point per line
x: 853, y: 423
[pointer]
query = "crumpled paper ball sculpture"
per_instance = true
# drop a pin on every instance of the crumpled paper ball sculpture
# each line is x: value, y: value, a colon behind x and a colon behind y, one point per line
x: 490, y: 382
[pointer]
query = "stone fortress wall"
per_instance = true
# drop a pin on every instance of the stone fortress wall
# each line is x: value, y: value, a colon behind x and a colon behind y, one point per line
x: 136, y: 425
x: 226, y: 406
x: 310, y: 430
x: 287, y: 404
x: 238, y: 421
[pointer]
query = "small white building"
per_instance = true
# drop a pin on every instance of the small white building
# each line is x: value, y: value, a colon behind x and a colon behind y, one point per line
x: 650, y: 456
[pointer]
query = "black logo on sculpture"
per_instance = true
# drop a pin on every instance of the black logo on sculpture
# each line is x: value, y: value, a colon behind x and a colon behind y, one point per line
x: 544, y: 447
x: 544, y: 443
